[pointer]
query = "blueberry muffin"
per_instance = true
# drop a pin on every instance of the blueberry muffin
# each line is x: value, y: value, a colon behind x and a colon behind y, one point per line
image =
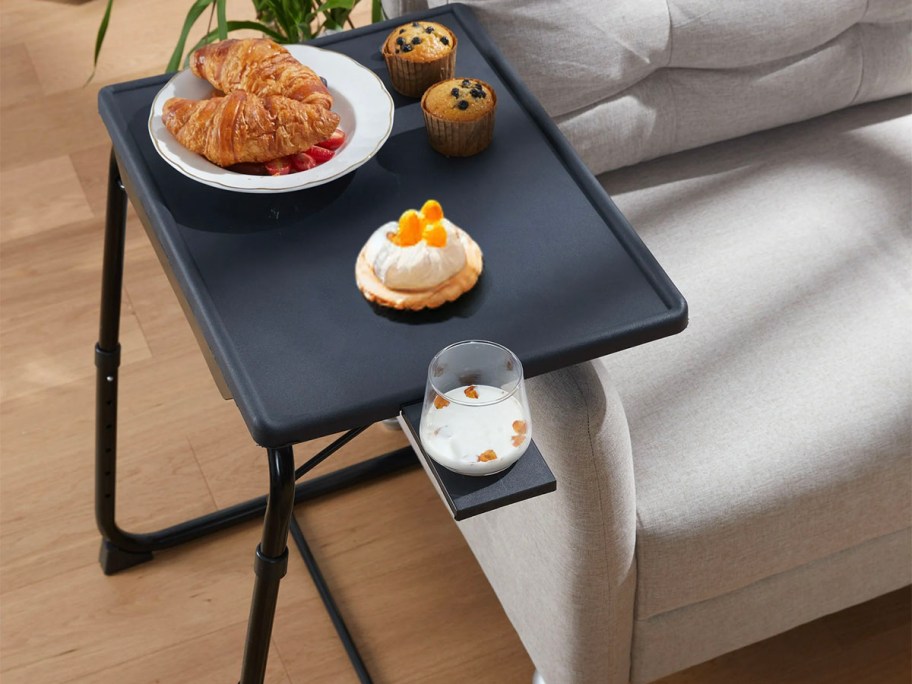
x: 459, y: 116
x: 418, y: 55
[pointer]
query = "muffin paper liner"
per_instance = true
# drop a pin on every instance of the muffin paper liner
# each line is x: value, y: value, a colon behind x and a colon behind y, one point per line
x: 460, y: 138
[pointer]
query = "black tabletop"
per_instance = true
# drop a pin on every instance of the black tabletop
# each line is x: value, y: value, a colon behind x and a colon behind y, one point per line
x: 269, y: 279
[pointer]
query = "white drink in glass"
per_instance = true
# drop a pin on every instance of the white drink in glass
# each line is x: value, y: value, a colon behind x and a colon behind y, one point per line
x: 476, y: 435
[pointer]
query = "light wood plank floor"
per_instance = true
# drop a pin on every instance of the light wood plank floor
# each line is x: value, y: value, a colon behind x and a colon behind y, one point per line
x: 415, y: 598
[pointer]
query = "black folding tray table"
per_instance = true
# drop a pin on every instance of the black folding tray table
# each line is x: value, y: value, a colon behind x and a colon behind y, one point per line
x: 267, y: 283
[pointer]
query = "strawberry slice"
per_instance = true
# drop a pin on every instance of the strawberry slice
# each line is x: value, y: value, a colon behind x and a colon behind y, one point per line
x: 302, y: 161
x: 335, y: 141
x: 278, y: 167
x: 320, y: 154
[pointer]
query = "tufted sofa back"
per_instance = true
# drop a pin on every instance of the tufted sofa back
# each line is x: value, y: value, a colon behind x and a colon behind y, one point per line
x: 629, y: 80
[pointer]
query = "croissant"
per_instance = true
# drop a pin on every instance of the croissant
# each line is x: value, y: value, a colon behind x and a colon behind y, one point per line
x: 241, y: 127
x: 259, y: 66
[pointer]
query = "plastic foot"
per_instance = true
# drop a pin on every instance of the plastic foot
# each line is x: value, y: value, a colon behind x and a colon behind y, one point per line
x: 113, y: 559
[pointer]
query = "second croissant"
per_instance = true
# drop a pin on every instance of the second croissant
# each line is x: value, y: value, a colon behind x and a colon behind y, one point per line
x: 261, y: 67
x: 273, y: 106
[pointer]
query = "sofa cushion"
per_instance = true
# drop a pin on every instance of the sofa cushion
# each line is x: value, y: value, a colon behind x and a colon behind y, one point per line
x: 678, y: 639
x: 775, y: 430
x: 638, y: 79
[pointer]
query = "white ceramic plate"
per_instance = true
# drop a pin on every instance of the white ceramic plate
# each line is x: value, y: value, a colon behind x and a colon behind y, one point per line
x: 359, y: 98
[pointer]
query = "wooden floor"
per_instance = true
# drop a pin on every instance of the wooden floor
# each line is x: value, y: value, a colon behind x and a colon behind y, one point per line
x: 416, y: 600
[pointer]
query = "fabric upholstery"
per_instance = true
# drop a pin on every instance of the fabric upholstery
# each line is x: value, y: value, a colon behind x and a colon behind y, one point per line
x: 771, y: 441
x: 776, y: 429
x: 638, y: 79
x: 680, y: 638
x: 549, y: 556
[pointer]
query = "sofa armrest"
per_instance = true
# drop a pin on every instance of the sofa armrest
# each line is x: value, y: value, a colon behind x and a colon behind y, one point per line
x: 396, y: 8
x: 563, y: 564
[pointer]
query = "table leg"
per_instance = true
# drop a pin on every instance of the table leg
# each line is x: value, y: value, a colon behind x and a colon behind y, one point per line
x: 116, y: 552
x: 351, y: 649
x: 121, y: 549
x: 270, y: 564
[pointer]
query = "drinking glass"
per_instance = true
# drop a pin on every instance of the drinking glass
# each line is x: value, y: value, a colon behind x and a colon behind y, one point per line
x: 475, y: 418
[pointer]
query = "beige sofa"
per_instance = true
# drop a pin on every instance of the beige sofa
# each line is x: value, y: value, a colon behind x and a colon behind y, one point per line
x: 753, y: 473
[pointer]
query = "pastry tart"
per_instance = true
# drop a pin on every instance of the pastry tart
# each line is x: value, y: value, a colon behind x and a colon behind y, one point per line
x: 422, y: 262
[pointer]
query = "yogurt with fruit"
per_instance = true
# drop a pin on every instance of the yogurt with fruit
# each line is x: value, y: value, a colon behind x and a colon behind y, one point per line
x: 475, y: 430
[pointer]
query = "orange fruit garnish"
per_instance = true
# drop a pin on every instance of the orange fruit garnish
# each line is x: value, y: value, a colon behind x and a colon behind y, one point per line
x: 435, y: 235
x: 409, y: 229
x: 519, y: 426
x: 486, y: 456
x: 440, y: 402
x: 432, y: 211
x: 471, y: 392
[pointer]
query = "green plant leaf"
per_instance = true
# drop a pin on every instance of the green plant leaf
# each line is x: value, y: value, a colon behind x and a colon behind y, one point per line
x: 296, y: 9
x: 336, y: 4
x: 263, y: 11
x: 99, y: 39
x: 256, y: 26
x: 102, y: 30
x: 302, y: 17
x: 376, y: 11
x: 196, y: 9
x: 235, y: 26
x: 221, y: 19
x: 335, y: 13
x: 283, y: 20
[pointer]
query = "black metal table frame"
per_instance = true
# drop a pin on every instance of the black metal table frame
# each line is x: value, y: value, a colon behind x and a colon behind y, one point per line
x: 121, y: 550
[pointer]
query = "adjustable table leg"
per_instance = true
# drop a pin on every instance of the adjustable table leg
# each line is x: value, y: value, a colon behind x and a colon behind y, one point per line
x: 270, y: 564
x: 115, y: 552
